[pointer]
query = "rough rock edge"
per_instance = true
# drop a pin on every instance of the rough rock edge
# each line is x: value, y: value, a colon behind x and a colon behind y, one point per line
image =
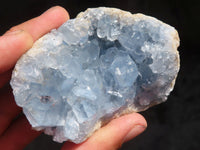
x: 127, y: 17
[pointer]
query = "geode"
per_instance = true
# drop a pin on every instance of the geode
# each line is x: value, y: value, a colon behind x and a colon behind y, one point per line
x: 104, y: 63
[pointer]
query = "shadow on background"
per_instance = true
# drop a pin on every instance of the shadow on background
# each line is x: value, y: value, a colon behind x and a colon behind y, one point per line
x: 174, y: 125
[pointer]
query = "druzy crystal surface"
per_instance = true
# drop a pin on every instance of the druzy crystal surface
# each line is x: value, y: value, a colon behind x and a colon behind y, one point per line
x: 98, y: 66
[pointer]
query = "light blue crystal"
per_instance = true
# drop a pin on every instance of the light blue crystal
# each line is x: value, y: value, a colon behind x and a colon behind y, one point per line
x: 100, y: 65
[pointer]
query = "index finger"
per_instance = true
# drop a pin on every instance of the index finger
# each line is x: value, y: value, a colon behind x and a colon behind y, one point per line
x: 15, y: 42
x: 50, y: 19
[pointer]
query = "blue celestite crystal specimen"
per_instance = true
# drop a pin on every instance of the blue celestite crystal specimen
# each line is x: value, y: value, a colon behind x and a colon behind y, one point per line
x: 98, y: 66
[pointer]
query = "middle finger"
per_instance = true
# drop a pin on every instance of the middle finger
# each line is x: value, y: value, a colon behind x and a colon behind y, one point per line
x: 8, y: 108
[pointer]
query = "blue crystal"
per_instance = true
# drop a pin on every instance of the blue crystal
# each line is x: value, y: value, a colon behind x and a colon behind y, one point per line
x: 100, y: 65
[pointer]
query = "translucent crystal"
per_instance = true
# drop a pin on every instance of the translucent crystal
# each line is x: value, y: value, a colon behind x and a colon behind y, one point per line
x: 100, y: 65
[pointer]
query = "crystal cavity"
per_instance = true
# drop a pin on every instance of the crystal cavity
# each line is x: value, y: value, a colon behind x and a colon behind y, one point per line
x: 104, y: 63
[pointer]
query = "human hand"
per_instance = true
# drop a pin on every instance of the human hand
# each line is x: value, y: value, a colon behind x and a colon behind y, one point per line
x: 15, y: 131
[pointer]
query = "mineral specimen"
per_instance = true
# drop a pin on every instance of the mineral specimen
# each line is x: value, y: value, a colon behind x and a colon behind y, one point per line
x: 98, y: 66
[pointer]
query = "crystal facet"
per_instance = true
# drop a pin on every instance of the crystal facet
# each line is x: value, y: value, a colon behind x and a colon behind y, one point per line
x: 104, y: 63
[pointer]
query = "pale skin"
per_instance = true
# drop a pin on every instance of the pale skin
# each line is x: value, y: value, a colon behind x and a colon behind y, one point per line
x: 16, y: 132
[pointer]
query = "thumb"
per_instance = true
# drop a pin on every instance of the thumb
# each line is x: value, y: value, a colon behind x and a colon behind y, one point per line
x: 111, y: 136
x: 12, y: 45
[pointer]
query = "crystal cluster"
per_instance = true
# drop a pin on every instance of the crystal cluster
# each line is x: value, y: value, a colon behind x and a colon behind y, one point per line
x: 104, y: 63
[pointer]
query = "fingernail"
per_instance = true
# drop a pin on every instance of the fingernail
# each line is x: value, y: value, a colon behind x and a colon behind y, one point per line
x: 13, y: 32
x: 135, y: 131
